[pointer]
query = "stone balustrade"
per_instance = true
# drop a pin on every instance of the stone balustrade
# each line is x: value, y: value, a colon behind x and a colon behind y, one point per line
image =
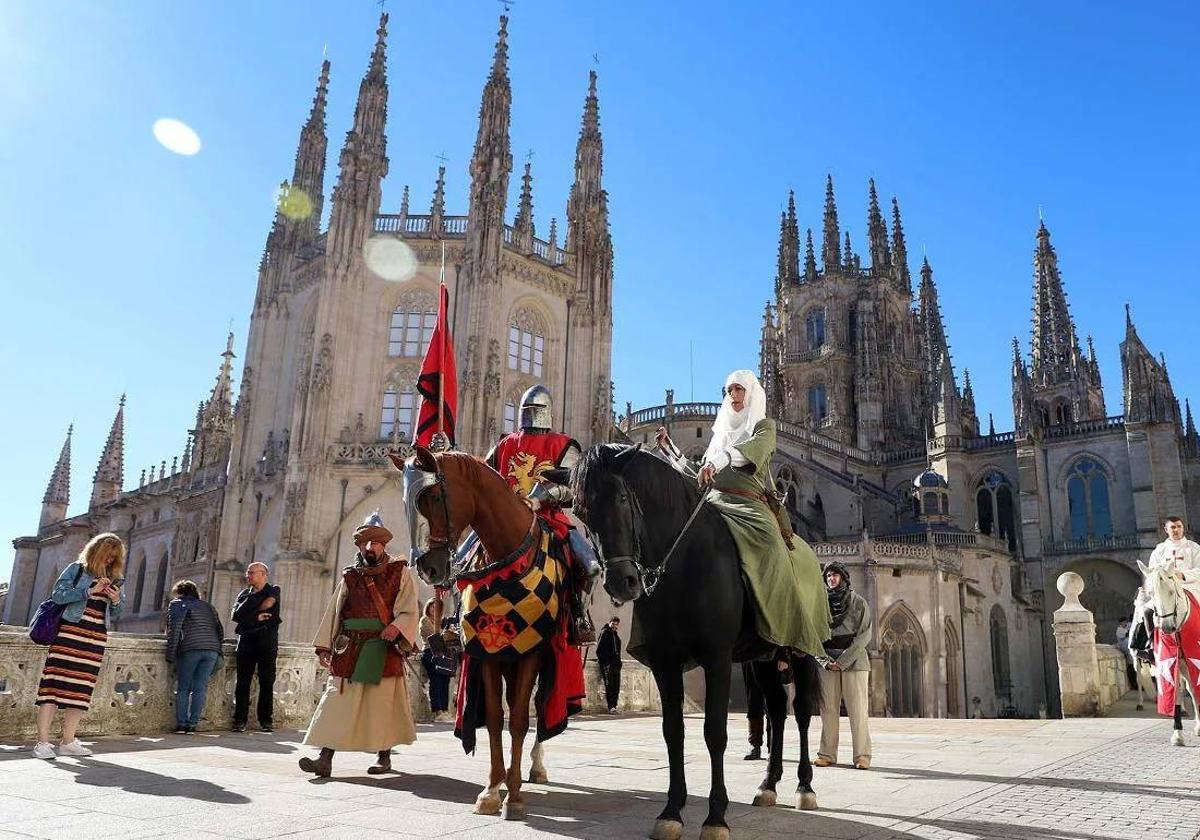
x: 136, y: 690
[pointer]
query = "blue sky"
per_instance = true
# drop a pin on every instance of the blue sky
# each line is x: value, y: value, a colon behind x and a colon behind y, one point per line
x: 124, y: 264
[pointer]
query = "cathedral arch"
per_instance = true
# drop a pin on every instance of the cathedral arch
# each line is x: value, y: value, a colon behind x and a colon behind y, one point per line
x: 953, y: 648
x: 818, y: 404
x: 160, y: 581
x: 529, y: 336
x: 140, y: 582
x: 995, y: 506
x: 902, y: 643
x: 814, y: 327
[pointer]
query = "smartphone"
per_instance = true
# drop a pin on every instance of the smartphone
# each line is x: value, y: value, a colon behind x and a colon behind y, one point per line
x: 118, y: 583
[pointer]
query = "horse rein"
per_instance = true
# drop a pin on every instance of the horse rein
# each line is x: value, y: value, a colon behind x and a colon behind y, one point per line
x: 651, y: 576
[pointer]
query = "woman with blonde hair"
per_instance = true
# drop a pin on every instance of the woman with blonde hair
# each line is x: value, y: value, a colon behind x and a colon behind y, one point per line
x: 91, y: 590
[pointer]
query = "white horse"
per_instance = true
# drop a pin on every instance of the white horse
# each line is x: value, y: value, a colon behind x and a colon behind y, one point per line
x: 1172, y: 611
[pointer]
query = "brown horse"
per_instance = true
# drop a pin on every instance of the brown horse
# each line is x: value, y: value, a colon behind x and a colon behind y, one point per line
x: 508, y: 645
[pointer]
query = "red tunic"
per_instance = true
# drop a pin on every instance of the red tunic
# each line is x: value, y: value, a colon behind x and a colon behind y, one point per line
x: 388, y: 579
x: 522, y: 458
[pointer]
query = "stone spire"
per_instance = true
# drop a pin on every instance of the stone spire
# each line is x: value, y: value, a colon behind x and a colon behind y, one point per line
x: 768, y: 360
x: 1149, y: 397
x: 781, y: 259
x: 58, y: 491
x: 214, y: 421
x: 588, y: 232
x: 933, y: 331
x: 850, y: 259
x: 970, y: 418
x: 1024, y: 417
x: 1093, y: 363
x: 1055, y: 347
x: 831, y: 254
x: 523, y: 227
x: 437, y: 208
x: 1191, y: 440
x: 363, y: 162
x: 491, y: 164
x: 789, y: 246
x: 110, y: 472
x: 810, y: 259
x: 877, y: 235
x: 899, y: 251
x: 403, y: 207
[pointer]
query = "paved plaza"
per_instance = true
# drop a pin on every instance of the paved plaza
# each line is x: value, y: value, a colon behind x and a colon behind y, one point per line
x: 1017, y: 779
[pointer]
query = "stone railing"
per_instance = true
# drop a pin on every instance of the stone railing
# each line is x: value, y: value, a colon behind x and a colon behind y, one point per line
x: 1091, y: 676
x: 135, y: 693
x: 1116, y: 423
x: 956, y: 539
x: 368, y: 454
x: 990, y: 441
x: 1092, y: 545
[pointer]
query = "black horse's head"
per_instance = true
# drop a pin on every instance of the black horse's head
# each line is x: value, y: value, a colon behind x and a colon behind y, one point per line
x: 612, y: 512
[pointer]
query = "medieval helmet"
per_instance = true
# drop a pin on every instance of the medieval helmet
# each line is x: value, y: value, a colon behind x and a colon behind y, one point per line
x: 536, y: 409
x: 372, y: 530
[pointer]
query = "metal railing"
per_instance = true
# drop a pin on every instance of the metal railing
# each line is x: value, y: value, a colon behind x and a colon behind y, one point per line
x: 1092, y: 545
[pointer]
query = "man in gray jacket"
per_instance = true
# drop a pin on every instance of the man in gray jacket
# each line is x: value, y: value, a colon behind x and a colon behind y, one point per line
x: 845, y: 670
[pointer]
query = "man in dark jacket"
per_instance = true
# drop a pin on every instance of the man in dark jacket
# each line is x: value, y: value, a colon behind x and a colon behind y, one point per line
x: 608, y: 657
x: 256, y: 616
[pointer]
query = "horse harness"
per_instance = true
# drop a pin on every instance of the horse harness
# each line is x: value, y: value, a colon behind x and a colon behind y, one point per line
x: 416, y: 482
x: 650, y: 577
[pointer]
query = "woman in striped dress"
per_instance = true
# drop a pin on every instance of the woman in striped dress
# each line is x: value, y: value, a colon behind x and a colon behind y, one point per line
x: 91, y: 590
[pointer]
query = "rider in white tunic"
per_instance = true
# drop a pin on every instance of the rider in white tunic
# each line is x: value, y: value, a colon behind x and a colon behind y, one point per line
x: 1178, y: 554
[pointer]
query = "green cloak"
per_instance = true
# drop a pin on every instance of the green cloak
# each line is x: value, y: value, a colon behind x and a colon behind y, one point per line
x: 792, y: 607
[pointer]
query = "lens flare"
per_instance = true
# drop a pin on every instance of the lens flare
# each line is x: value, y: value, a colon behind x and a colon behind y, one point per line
x: 294, y: 203
x: 176, y: 136
x: 390, y: 259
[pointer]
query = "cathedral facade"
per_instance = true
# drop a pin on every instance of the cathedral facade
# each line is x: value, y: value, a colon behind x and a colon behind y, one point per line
x: 285, y: 471
x: 955, y: 534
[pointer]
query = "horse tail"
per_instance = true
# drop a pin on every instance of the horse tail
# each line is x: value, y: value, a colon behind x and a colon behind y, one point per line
x: 807, y: 676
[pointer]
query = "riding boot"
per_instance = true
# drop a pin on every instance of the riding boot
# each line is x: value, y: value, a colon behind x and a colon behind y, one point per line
x: 322, y: 766
x: 382, y: 765
x: 756, y: 740
x: 583, y: 632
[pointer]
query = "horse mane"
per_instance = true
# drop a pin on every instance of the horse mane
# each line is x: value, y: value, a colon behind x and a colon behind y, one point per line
x: 664, y: 493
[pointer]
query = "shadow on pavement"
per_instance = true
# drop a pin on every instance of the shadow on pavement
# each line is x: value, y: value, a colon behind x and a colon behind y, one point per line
x: 102, y: 774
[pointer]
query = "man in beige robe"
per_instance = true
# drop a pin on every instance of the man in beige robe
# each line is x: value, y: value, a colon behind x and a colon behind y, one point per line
x: 365, y: 707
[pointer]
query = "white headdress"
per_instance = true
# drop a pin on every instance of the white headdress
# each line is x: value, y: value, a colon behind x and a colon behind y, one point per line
x: 734, y: 427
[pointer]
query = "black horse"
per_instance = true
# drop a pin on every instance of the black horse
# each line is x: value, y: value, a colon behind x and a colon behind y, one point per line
x: 694, y: 611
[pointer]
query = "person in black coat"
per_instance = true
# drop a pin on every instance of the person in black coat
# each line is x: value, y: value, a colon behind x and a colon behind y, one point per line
x: 608, y: 657
x: 256, y: 616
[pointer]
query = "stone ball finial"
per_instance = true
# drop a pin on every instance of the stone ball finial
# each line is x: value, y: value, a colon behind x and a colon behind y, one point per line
x: 1070, y: 586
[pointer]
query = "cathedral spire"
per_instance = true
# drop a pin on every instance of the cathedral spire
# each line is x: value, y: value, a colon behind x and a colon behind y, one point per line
x: 110, y: 472
x: 363, y: 162
x: 850, y: 260
x: 1149, y: 397
x: 877, y: 234
x: 491, y: 164
x: 789, y: 246
x: 781, y: 271
x: 588, y: 232
x: 899, y: 251
x: 214, y: 421
x: 1191, y: 440
x: 523, y: 224
x: 810, y: 259
x: 831, y: 254
x: 1055, y: 346
x: 308, y: 175
x: 437, y: 208
x: 58, y: 491
x: 933, y: 330
x: 404, y: 208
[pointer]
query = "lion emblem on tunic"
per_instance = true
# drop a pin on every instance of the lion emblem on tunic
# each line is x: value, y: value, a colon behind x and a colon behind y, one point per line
x: 526, y: 470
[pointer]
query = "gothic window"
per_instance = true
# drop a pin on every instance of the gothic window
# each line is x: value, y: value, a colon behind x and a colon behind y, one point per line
x: 1062, y: 414
x: 398, y: 416
x: 904, y: 661
x: 1044, y: 414
x: 1001, y: 673
x: 1087, y: 500
x: 525, y: 350
x: 994, y: 508
x: 510, y: 417
x: 814, y: 328
x: 140, y: 586
x: 817, y: 407
x: 410, y: 331
x: 160, y: 583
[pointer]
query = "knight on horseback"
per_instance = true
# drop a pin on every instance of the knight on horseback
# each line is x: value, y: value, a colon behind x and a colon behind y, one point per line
x: 535, y: 460
x: 1177, y: 553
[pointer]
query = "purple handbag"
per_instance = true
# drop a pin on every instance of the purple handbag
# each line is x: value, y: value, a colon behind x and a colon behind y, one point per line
x: 43, y: 629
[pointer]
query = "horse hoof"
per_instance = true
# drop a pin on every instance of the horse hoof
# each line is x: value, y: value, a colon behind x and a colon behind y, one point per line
x: 1140, y: 707
x: 1176, y: 738
x: 806, y: 802
x: 714, y: 832
x: 765, y: 798
x: 538, y: 777
x: 514, y: 810
x: 667, y: 830
x: 487, y: 804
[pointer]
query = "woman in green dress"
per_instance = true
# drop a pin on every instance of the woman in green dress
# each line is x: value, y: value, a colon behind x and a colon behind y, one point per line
x: 785, y: 582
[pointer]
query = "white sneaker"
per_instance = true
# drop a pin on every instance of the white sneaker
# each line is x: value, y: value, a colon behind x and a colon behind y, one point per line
x: 73, y: 748
x: 44, y: 750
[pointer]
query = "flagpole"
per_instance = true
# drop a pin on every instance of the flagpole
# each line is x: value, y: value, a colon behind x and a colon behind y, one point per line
x: 442, y: 344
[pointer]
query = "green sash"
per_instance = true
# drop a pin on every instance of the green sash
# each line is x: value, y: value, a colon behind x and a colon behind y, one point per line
x: 372, y: 653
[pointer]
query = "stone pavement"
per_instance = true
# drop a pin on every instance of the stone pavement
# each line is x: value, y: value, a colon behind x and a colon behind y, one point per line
x: 1021, y: 780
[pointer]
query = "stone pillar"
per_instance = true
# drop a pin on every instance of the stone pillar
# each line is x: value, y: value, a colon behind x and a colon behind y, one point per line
x: 1075, y: 643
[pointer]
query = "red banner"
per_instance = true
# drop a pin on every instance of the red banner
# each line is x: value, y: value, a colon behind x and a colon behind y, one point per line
x: 438, y: 383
